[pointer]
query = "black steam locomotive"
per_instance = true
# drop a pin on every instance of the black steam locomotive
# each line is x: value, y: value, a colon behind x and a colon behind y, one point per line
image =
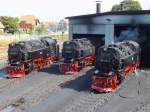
x: 76, y: 53
x: 113, y: 63
x: 25, y: 56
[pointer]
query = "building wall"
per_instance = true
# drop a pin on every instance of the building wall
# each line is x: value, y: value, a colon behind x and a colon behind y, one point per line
x: 88, y: 29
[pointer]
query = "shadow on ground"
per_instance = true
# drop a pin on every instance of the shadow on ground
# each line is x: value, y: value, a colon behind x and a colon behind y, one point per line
x: 52, y: 69
x: 81, y: 83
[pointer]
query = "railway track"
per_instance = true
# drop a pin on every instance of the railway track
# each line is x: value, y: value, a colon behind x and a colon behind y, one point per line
x: 12, y: 90
x: 60, y: 93
x: 47, y: 90
x: 73, y: 96
x: 88, y: 102
x: 76, y: 96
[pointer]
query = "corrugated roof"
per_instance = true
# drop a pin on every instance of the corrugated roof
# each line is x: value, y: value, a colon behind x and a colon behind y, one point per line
x: 112, y: 13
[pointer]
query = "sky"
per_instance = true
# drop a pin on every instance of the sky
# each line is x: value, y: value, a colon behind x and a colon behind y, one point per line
x: 54, y: 10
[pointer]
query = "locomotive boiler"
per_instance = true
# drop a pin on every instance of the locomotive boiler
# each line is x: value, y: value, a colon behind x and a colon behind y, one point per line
x: 76, y: 54
x: 113, y: 63
x: 26, y: 56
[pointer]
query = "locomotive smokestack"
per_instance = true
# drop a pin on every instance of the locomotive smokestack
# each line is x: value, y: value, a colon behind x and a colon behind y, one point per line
x: 98, y: 7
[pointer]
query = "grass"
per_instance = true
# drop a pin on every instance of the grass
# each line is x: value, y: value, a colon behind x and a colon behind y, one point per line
x: 6, y: 40
x: 60, y: 38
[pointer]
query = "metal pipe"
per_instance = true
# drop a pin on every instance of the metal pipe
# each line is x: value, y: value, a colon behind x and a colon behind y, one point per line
x: 98, y: 7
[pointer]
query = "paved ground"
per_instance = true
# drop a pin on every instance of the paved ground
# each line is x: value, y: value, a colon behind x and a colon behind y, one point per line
x: 50, y: 91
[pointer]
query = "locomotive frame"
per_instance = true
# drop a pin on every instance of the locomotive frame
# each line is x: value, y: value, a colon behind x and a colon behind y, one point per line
x: 22, y: 70
x: 37, y: 59
x: 79, y: 59
x: 73, y: 68
x: 108, y: 81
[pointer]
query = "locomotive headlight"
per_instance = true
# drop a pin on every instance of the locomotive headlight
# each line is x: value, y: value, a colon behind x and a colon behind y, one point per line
x: 96, y: 72
x: 110, y: 73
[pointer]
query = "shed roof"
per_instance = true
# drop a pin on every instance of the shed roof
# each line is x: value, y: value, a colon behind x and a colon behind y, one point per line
x: 112, y: 13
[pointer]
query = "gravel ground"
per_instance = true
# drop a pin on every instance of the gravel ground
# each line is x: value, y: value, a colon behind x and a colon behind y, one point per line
x: 32, y: 89
x: 50, y: 91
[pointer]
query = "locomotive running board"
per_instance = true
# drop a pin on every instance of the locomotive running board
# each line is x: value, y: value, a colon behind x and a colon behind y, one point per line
x: 71, y: 72
x: 13, y: 72
x: 68, y: 69
x: 14, y: 75
x: 101, y: 84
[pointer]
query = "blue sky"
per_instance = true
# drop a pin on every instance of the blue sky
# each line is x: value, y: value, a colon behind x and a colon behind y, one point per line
x: 54, y: 10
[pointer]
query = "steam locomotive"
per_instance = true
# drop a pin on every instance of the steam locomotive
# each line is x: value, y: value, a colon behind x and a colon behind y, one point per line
x: 113, y: 63
x: 76, y: 54
x: 26, y: 56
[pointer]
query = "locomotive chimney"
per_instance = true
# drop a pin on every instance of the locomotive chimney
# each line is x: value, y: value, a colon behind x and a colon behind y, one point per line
x: 98, y: 7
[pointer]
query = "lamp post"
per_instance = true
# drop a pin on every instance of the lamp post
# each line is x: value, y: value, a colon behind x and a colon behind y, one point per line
x: 19, y: 33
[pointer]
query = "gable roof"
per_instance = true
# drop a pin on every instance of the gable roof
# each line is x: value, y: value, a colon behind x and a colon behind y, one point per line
x: 29, y: 19
x: 111, y: 13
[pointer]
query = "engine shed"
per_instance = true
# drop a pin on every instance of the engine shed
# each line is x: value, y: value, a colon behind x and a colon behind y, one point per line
x: 105, y: 28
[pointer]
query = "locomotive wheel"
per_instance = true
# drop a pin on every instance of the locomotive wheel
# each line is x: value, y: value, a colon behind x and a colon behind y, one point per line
x: 28, y: 68
x: 81, y: 65
x: 93, y: 63
x: 57, y: 50
x: 120, y: 78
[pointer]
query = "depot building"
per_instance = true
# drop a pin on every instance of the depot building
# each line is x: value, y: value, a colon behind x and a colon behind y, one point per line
x: 105, y: 28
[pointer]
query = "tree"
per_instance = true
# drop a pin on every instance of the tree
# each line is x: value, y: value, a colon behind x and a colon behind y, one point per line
x: 10, y: 23
x: 127, y: 5
x: 40, y: 29
x: 53, y: 26
x: 62, y: 26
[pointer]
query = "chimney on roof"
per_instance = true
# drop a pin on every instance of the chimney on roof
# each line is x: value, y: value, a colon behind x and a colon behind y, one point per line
x: 98, y: 7
x: 121, y: 6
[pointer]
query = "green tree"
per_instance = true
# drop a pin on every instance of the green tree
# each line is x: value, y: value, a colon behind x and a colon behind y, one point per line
x: 53, y: 26
x: 10, y: 23
x: 127, y: 5
x: 40, y: 29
